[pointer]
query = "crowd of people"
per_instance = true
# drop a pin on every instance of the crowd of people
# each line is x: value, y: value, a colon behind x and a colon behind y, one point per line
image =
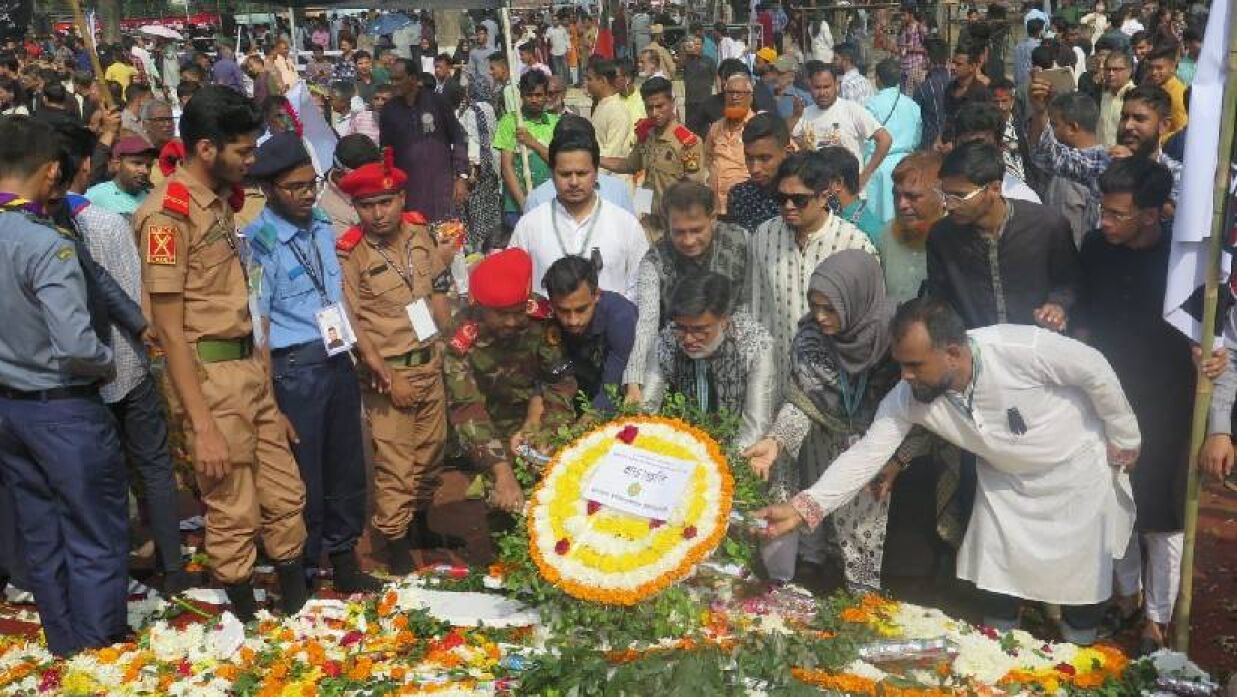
x: 931, y: 292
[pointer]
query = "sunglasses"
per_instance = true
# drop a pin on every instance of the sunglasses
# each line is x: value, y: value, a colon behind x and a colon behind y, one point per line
x: 800, y: 200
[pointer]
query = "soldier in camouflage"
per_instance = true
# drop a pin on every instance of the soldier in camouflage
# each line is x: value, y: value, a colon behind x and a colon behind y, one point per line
x: 506, y: 375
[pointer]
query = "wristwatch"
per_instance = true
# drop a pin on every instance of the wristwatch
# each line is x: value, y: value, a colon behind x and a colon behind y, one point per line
x: 464, y: 176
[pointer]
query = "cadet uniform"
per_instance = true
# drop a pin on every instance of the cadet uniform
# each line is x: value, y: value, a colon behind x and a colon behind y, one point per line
x: 59, y: 451
x: 301, y: 292
x: 490, y: 381
x: 668, y: 156
x: 384, y: 281
x: 190, y: 248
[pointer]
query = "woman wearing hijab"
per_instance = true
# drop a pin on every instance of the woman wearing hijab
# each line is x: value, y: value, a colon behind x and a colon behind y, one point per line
x: 694, y: 243
x: 840, y: 370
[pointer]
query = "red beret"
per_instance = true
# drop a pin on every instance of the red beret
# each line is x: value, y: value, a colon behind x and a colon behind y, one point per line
x: 502, y: 280
x: 374, y: 179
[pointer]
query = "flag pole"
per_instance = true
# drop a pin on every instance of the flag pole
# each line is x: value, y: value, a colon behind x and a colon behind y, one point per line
x: 1221, y: 202
x: 105, y: 95
x: 512, y: 61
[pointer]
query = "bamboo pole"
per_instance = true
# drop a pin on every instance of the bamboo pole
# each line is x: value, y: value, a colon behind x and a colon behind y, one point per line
x: 513, y: 60
x: 105, y: 95
x: 1221, y: 201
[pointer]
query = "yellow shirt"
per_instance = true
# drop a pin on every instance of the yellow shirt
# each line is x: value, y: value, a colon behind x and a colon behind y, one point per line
x: 120, y: 73
x: 1176, y: 89
x: 635, y: 105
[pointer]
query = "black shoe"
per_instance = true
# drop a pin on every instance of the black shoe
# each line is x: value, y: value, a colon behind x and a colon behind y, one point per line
x: 399, y: 556
x: 348, y: 575
x: 421, y: 537
x: 177, y: 582
x: 243, y: 604
x: 292, y: 587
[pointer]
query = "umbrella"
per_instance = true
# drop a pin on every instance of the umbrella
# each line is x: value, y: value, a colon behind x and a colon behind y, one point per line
x: 388, y: 23
x: 161, y: 32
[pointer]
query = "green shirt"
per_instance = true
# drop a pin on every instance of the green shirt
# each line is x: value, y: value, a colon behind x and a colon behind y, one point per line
x: 864, y: 217
x: 504, y: 139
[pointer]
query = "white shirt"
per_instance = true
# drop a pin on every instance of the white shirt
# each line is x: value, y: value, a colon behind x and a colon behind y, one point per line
x: 729, y: 48
x: 778, y: 274
x: 616, y: 234
x: 560, y: 40
x: 822, y: 44
x: 854, y: 126
x: 1050, y: 515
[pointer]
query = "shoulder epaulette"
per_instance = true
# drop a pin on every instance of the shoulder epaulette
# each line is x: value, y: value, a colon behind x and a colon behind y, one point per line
x: 176, y: 199
x: 643, y: 128
x: 464, y: 337
x: 350, y: 239
x: 415, y: 218
x: 685, y: 135
x: 539, y: 308
x: 320, y: 215
x: 265, y: 237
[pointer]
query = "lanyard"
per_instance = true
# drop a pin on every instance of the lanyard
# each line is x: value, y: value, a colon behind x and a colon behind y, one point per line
x: 854, y: 217
x: 851, y: 399
x: 968, y: 407
x: 702, y: 385
x: 404, y: 272
x: 588, y: 236
x: 316, y: 274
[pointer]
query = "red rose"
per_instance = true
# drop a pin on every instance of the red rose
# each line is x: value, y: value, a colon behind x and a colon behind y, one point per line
x: 628, y: 434
x: 562, y: 546
x: 689, y: 532
x: 593, y: 507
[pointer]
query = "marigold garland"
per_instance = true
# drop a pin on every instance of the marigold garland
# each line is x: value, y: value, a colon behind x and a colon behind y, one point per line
x: 558, y: 497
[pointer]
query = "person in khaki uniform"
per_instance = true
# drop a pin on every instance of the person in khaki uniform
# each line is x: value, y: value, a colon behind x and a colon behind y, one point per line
x: 395, y: 284
x: 666, y: 151
x: 194, y: 270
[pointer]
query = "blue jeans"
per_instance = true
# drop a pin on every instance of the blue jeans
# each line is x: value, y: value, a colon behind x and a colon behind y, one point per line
x: 321, y: 398
x: 61, y: 460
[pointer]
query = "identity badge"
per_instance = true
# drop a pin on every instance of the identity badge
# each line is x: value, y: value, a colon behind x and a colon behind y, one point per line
x: 335, y: 329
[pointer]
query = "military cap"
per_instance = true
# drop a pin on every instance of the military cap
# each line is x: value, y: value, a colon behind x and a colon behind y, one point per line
x: 280, y: 153
x: 375, y: 178
x: 502, y: 280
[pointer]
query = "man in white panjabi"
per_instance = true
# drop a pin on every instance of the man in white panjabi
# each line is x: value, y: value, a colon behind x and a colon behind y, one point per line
x: 1052, y: 432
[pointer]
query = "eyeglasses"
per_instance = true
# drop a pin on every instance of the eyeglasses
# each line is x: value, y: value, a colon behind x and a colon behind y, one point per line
x: 955, y: 200
x: 800, y: 200
x: 697, y: 333
x: 736, y: 93
x: 313, y: 185
x: 160, y: 119
x: 1114, y: 215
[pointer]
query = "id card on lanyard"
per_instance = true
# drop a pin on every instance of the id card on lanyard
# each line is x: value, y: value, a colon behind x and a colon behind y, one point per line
x: 333, y: 325
x: 419, y: 316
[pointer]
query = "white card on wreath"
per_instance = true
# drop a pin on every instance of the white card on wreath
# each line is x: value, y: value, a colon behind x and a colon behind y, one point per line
x: 639, y: 482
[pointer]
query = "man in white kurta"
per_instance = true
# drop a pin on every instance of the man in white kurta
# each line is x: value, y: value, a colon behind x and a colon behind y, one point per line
x: 1044, y: 415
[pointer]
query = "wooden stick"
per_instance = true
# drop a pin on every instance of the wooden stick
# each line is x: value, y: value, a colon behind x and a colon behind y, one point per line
x: 105, y: 95
x: 1221, y: 201
x: 513, y: 60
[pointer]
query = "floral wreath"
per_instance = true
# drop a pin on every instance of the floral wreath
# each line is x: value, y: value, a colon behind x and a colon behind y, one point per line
x: 598, y: 553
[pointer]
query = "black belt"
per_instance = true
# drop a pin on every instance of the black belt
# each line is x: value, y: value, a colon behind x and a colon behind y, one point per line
x: 308, y: 353
x: 70, y: 392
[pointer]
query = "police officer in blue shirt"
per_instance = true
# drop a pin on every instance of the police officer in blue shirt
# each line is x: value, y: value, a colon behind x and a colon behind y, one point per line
x: 596, y: 327
x: 59, y: 450
x: 309, y: 334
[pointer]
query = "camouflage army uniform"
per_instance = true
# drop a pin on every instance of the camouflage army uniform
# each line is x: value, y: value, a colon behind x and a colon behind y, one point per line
x: 490, y: 383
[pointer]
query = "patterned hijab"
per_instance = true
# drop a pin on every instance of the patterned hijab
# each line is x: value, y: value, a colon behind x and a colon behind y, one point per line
x: 852, y: 281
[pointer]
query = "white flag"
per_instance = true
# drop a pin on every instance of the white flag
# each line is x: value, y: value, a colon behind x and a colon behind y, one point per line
x: 1192, y: 225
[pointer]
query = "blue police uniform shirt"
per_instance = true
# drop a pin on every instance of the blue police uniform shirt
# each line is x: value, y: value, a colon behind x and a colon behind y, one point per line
x: 287, y: 293
x: 48, y: 340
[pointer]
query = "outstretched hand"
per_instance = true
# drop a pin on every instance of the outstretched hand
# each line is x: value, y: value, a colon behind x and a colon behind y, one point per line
x: 780, y: 519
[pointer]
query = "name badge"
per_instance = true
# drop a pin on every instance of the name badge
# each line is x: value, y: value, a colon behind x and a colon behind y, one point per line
x: 422, y: 321
x: 336, y: 331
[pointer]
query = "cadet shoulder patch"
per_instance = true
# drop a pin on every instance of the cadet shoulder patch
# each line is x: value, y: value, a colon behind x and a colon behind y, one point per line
x: 464, y: 337
x: 350, y: 239
x: 161, y: 245
x: 685, y: 136
x: 539, y: 308
x: 415, y: 218
x: 176, y: 199
x: 265, y: 237
x: 643, y: 128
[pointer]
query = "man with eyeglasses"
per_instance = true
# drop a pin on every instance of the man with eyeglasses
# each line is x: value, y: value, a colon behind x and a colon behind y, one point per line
x: 998, y: 260
x: 1118, y: 78
x: 315, y: 383
x: 723, y: 147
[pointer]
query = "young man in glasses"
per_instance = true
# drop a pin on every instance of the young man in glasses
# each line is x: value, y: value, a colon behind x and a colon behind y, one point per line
x: 300, y: 297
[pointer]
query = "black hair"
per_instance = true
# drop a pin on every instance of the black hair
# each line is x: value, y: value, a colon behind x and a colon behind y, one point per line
x: 218, y: 114
x: 604, y: 68
x: 1000, y: 82
x: 937, y: 50
x: 1079, y: 109
x: 532, y: 79
x: 656, y: 85
x: 498, y: 57
x: 1191, y: 33
x: 766, y: 125
x: 1035, y: 26
x: 1044, y: 56
x: 841, y: 164
x: 979, y: 117
x: 26, y: 145
x: 55, y: 93
x: 566, y: 275
x: 1107, y: 43
x: 809, y: 167
x: 943, y: 324
x: 685, y: 195
x: 1163, y: 52
x: 443, y: 58
x: 574, y: 123
x: 813, y: 68
x: 574, y: 141
x: 626, y: 66
x: 187, y: 88
x: 1148, y: 182
x: 728, y: 67
x: 889, y: 72
x: 977, y: 162
x: 697, y: 294
x: 358, y: 55
x: 356, y: 149
x: 76, y: 146
x: 847, y: 50
x: 1140, y: 36
x: 1153, y: 96
x: 345, y: 88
